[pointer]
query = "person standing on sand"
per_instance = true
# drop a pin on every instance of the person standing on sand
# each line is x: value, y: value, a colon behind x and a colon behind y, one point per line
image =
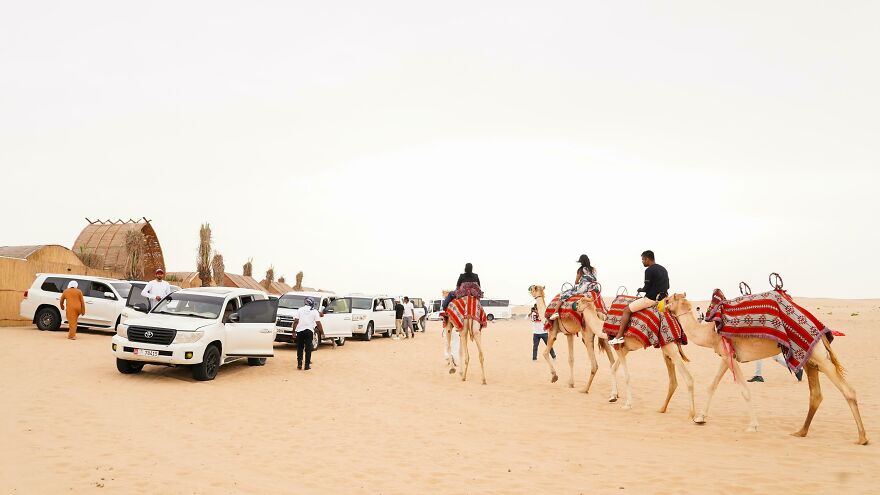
x: 157, y: 289
x: 73, y: 305
x: 409, y: 312
x: 656, y: 288
x: 305, y: 323
x: 759, y: 368
x: 539, y: 333
x: 398, y: 319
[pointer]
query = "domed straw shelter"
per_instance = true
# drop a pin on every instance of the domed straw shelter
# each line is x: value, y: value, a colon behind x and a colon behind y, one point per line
x: 102, y: 245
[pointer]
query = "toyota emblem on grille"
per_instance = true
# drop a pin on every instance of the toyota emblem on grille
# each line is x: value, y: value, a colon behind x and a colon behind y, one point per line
x: 148, y: 334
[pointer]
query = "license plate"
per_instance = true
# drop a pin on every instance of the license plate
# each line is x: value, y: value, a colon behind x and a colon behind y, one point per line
x: 146, y: 352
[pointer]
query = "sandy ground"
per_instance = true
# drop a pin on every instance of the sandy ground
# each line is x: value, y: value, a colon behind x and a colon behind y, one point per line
x: 385, y: 417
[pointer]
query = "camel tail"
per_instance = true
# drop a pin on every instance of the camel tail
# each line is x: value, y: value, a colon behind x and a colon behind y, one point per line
x: 839, y: 367
x: 681, y: 351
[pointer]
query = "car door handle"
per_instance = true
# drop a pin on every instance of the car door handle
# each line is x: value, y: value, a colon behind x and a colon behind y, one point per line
x: 347, y: 318
x: 265, y: 331
x: 89, y: 302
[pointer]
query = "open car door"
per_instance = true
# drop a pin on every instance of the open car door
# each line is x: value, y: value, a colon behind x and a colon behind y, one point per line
x: 251, y: 331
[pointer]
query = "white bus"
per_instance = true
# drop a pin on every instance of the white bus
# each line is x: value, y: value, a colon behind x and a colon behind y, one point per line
x: 496, y: 309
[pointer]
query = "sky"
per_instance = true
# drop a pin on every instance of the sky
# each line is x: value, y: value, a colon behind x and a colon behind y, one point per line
x: 379, y: 146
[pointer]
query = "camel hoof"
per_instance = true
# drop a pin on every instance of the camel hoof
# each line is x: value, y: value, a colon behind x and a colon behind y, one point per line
x: 661, y: 411
x: 862, y: 441
x: 554, y: 379
x: 799, y: 433
x: 700, y: 420
x: 484, y: 382
x: 452, y: 371
x: 613, y: 398
x: 571, y: 385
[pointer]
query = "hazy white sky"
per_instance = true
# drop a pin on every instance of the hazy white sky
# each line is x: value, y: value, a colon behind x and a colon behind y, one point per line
x: 378, y: 146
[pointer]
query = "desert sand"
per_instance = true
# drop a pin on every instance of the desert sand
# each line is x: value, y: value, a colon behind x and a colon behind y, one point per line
x: 385, y: 417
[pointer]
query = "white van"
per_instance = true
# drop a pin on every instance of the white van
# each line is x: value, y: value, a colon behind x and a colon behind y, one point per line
x: 104, y: 298
x: 202, y: 328
x: 372, y: 314
x: 336, y: 318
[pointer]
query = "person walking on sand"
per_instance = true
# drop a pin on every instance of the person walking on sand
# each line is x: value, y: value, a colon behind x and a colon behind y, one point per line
x: 157, y: 289
x: 656, y: 288
x: 409, y: 312
x: 759, y: 369
x: 73, y: 305
x: 398, y: 319
x: 539, y: 333
x: 306, y: 323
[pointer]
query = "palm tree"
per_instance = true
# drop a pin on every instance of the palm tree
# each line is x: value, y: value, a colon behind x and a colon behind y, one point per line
x: 248, y: 269
x: 219, y: 269
x: 203, y: 262
x: 270, y: 276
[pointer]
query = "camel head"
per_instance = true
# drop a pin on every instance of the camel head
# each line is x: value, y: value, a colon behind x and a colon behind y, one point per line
x: 585, y: 306
x: 536, y: 291
x: 677, y: 304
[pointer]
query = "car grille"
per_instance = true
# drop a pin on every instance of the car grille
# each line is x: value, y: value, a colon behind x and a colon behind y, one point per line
x: 284, y: 322
x: 147, y: 335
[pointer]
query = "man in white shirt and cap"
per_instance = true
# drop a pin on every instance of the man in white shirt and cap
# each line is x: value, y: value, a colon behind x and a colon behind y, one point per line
x: 156, y: 290
x: 305, y: 325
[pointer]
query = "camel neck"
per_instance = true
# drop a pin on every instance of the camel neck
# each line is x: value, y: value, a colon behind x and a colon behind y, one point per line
x: 701, y: 333
x: 542, y: 306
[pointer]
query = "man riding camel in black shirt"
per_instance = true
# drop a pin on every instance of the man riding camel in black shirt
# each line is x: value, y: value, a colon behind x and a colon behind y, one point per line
x: 656, y: 288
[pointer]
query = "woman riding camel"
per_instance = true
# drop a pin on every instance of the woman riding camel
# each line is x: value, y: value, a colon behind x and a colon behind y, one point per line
x: 468, y: 283
x: 585, y: 281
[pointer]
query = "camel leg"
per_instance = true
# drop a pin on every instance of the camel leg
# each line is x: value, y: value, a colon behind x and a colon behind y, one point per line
x: 478, y: 340
x: 587, y: 338
x: 570, y: 339
x: 815, y: 398
x: 827, y: 367
x: 450, y: 360
x: 466, y: 358
x: 550, y: 341
x: 747, y: 395
x: 700, y: 419
x: 675, y: 354
x: 673, y: 382
x: 615, y: 363
x: 621, y: 357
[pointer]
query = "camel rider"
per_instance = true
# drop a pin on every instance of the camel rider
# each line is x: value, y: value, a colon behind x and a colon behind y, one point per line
x: 656, y: 288
x: 468, y: 283
x: 584, y: 281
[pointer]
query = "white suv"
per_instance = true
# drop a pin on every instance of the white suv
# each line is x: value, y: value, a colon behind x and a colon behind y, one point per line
x: 372, y: 315
x: 104, y: 297
x: 335, y: 317
x: 203, y: 328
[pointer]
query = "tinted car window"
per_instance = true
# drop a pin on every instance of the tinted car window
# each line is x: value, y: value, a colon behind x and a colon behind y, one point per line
x: 342, y: 305
x: 263, y: 311
x: 54, y: 284
x: 362, y: 303
x: 98, y: 289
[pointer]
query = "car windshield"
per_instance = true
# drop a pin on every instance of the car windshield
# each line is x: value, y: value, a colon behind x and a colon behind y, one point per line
x: 361, y: 303
x: 291, y: 301
x: 193, y: 305
x: 123, y: 288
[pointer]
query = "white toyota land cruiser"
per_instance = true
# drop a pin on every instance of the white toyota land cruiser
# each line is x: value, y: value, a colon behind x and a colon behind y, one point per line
x: 203, y: 328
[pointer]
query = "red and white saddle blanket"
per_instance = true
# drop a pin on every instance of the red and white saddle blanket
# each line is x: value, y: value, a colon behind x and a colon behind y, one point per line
x: 650, y: 326
x: 465, y: 307
x: 568, y: 308
x: 769, y: 315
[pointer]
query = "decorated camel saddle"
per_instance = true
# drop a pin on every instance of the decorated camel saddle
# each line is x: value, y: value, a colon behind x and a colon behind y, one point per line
x: 769, y: 315
x: 650, y: 326
x: 465, y: 307
x: 568, y: 308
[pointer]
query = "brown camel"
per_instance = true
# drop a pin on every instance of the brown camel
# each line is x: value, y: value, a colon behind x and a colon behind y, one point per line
x: 467, y: 331
x: 747, y: 349
x: 570, y: 327
x: 673, y: 357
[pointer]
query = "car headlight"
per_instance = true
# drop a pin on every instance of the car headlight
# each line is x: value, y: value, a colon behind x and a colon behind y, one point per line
x: 188, y: 337
x: 122, y: 331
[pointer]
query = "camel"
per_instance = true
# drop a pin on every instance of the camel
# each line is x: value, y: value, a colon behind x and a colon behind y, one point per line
x: 570, y: 327
x: 467, y: 331
x: 747, y: 349
x: 673, y: 357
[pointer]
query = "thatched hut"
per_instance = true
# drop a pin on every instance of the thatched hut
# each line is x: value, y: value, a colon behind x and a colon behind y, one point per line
x: 102, y: 243
x: 19, y: 266
x: 241, y: 281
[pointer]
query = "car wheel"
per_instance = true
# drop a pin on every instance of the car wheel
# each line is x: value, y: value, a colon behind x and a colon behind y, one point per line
x: 368, y: 335
x: 389, y: 333
x: 340, y: 341
x: 127, y: 367
x: 256, y: 361
x: 316, y: 341
x: 207, y: 369
x: 490, y: 317
x: 48, y: 319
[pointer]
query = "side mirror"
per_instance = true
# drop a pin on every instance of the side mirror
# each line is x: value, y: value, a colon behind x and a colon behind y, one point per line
x: 141, y: 307
x: 233, y: 318
x: 109, y: 295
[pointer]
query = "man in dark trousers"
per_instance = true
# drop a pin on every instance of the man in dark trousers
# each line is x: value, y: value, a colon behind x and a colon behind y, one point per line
x: 398, y: 319
x: 656, y: 288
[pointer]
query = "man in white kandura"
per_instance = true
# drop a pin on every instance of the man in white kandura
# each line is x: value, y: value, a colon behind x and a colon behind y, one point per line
x: 157, y: 289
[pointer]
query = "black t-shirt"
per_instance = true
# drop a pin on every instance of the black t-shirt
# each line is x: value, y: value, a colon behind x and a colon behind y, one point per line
x: 467, y: 277
x: 398, y: 311
x: 656, y: 282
